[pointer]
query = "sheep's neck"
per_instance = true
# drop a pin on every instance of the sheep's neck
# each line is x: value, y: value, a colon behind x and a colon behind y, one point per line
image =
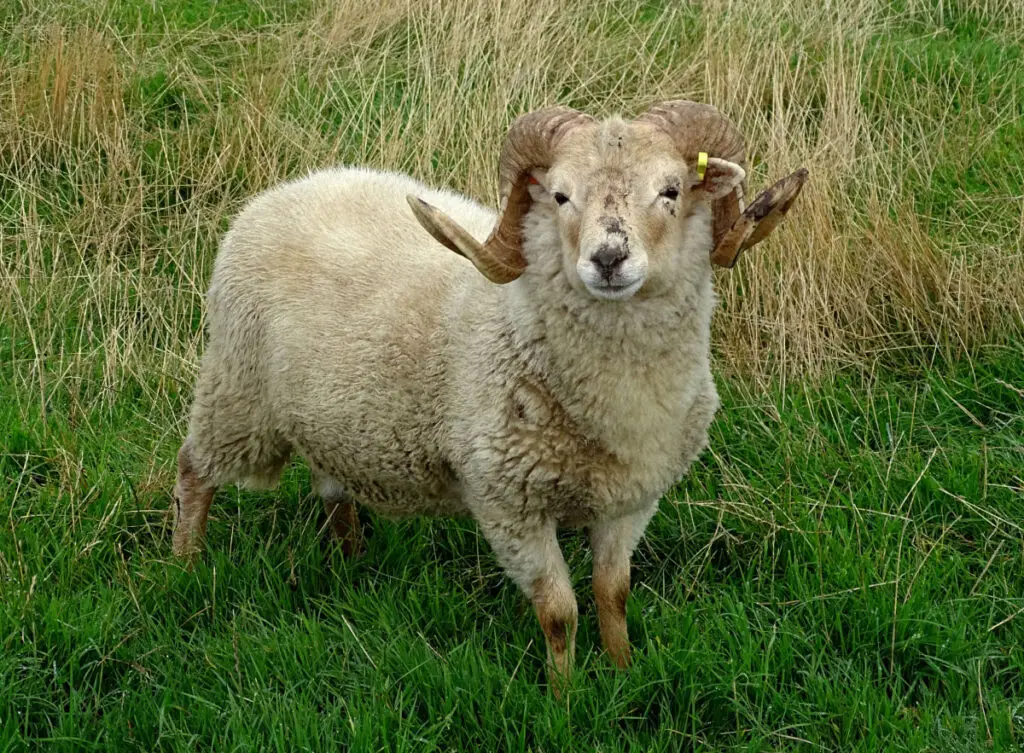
x: 627, y: 373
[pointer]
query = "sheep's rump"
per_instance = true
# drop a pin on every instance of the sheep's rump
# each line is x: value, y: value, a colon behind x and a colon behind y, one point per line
x: 325, y: 339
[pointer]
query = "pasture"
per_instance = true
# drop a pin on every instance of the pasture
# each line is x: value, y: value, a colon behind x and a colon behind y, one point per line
x: 842, y: 571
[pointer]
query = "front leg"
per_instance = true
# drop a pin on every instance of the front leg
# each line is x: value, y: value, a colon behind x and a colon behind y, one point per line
x: 613, y: 542
x: 528, y: 551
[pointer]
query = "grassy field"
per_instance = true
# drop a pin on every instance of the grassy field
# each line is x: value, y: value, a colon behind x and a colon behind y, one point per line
x: 843, y: 570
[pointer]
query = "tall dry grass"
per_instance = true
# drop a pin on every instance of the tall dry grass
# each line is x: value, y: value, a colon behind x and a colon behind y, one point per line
x: 123, y: 149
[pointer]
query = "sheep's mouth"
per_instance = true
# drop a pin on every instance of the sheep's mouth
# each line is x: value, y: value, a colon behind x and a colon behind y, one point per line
x: 608, y: 290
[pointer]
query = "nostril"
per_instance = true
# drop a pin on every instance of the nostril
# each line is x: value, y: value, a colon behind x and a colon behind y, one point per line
x: 608, y: 257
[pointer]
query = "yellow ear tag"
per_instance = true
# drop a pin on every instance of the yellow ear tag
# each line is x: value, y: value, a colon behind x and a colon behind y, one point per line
x: 702, y: 164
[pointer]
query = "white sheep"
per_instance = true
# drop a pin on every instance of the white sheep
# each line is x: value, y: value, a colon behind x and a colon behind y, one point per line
x: 574, y: 393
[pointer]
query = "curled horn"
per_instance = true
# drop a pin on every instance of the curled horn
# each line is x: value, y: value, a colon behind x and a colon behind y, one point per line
x: 695, y: 128
x: 530, y: 144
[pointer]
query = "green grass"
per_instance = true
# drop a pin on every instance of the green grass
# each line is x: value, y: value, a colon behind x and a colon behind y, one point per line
x: 842, y: 571
x: 978, y: 151
x: 833, y: 572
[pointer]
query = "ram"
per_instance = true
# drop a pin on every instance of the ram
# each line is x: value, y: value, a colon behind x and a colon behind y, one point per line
x: 558, y: 378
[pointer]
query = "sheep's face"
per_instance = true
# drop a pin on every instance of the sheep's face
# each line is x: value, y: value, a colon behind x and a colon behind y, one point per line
x: 631, y: 216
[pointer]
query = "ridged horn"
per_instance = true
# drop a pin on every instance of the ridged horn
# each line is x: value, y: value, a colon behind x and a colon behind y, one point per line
x: 696, y: 127
x: 759, y: 219
x: 529, y: 144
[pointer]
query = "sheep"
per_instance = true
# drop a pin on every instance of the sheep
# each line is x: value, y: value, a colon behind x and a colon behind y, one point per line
x: 561, y: 378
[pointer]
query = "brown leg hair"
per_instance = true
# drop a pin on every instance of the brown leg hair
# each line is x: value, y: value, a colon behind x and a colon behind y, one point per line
x: 192, y: 498
x: 611, y: 589
x: 343, y: 524
x: 613, y: 542
x: 556, y: 611
x: 528, y: 551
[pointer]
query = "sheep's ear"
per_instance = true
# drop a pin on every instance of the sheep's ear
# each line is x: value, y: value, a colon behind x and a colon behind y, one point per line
x: 537, y: 183
x: 720, y: 177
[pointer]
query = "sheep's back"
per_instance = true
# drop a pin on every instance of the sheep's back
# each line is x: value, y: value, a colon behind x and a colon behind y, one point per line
x: 341, y: 295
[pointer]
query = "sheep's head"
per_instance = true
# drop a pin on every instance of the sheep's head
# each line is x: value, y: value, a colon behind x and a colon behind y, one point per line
x: 623, y: 197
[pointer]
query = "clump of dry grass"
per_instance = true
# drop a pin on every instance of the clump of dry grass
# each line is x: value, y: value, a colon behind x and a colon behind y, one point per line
x: 126, y: 153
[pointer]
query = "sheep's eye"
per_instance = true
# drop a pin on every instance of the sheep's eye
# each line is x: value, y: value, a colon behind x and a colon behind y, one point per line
x: 561, y: 198
x: 671, y: 193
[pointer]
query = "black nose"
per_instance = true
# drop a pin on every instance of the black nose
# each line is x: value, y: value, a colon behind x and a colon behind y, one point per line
x: 608, y: 258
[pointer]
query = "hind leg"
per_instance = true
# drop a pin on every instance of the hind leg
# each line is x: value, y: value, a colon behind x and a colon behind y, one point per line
x: 343, y: 524
x: 192, y: 498
x: 342, y: 519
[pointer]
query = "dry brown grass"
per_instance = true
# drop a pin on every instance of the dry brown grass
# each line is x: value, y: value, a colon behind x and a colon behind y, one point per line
x: 123, y: 152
